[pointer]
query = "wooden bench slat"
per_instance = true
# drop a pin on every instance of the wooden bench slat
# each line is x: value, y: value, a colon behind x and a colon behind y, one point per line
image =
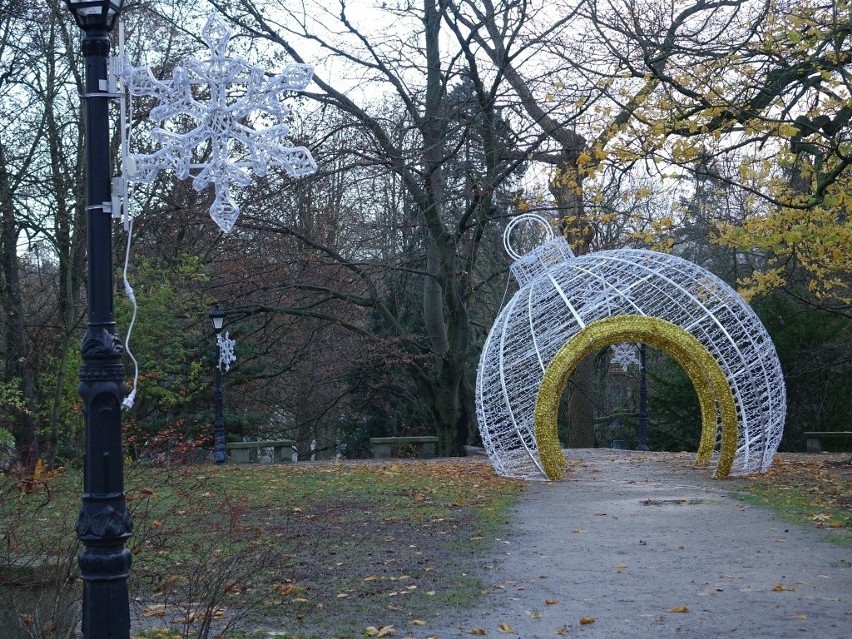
x: 246, y: 452
x: 813, y: 440
x: 425, y: 444
x: 404, y: 440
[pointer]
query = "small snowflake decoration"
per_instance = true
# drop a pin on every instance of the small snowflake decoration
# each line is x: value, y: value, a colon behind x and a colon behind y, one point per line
x: 624, y: 355
x: 226, y: 351
x: 240, y: 136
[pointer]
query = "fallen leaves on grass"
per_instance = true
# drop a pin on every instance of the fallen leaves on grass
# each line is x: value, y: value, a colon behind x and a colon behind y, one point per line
x: 284, y: 589
x: 382, y: 631
x: 810, y: 487
x: 166, y: 584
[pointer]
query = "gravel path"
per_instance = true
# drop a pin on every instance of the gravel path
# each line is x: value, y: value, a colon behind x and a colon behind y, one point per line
x: 641, y: 545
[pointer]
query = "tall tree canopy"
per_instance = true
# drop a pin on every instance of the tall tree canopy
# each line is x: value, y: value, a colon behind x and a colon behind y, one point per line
x: 360, y: 297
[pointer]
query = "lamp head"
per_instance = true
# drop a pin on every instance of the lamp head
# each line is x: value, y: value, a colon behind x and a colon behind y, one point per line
x: 95, y: 15
x: 217, y: 316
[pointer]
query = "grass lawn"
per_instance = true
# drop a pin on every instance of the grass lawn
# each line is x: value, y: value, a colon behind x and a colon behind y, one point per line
x: 814, y: 490
x: 322, y: 550
x: 326, y: 549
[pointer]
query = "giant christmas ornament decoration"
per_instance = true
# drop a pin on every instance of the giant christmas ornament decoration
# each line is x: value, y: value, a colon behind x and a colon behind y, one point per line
x: 568, y: 307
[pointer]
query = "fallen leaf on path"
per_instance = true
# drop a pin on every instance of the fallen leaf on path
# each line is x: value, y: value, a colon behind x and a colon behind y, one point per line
x: 620, y: 567
x: 478, y: 632
x: 550, y: 601
x: 587, y: 620
x: 417, y: 622
x: 157, y: 610
x: 800, y: 616
x: 679, y: 609
x: 504, y: 627
x: 783, y: 588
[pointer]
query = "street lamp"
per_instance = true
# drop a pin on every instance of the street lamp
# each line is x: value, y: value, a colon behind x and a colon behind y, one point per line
x: 217, y: 316
x: 104, y: 523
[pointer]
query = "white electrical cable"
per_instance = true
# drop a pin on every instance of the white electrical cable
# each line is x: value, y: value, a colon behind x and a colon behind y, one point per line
x: 125, y: 112
x: 127, y: 404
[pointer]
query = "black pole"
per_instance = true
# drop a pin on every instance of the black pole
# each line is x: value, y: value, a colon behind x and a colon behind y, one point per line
x: 219, y: 420
x: 642, y: 443
x: 104, y: 523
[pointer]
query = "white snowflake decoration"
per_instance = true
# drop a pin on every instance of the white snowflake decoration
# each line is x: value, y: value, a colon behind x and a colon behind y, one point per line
x: 226, y: 351
x: 624, y: 355
x: 246, y: 135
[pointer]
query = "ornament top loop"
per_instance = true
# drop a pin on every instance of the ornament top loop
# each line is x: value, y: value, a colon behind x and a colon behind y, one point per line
x: 526, y: 217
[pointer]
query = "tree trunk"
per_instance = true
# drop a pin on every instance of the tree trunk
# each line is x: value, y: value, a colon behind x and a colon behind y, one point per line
x: 70, y: 233
x: 581, y: 419
x: 17, y: 355
x: 567, y: 190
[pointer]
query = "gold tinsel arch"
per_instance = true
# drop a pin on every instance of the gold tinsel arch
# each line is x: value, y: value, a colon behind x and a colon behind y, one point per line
x: 708, y: 378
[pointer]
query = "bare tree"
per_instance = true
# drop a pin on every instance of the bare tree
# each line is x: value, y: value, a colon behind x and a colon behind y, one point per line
x: 417, y: 145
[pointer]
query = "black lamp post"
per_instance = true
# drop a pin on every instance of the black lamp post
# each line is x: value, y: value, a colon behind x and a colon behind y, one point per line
x: 104, y: 523
x: 642, y: 438
x: 217, y: 316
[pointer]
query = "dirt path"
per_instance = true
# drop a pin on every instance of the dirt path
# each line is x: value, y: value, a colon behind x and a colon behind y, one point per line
x: 640, y: 545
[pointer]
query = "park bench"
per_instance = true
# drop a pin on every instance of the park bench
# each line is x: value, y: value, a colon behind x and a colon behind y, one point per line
x: 382, y: 446
x: 813, y: 441
x: 246, y: 452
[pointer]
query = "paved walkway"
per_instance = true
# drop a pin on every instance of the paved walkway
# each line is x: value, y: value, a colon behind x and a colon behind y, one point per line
x: 643, y: 545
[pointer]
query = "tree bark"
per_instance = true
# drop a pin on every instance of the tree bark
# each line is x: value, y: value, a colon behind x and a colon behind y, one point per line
x: 17, y: 356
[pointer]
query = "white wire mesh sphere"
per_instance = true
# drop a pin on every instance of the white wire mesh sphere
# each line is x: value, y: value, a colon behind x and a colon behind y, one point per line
x: 561, y: 294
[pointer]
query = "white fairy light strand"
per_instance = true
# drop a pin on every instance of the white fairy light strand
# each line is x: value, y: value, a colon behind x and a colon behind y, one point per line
x: 246, y: 135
